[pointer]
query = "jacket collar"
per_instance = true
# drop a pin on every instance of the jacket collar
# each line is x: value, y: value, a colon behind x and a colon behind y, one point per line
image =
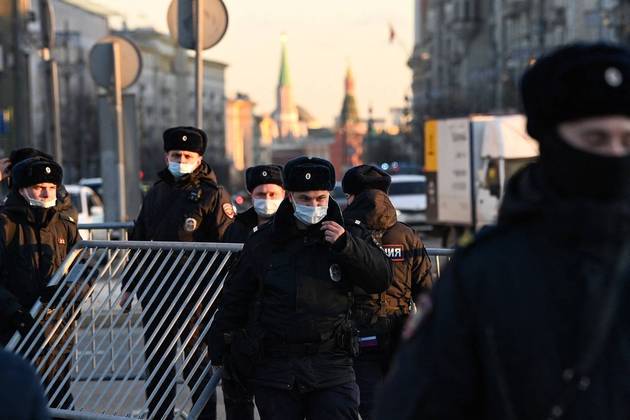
x: 16, y: 206
x: 203, y: 173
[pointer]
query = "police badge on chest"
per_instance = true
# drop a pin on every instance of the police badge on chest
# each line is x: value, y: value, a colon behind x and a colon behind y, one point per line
x: 335, y: 273
x: 190, y: 224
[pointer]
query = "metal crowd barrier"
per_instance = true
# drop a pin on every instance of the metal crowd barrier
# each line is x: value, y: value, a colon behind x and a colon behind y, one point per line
x: 88, y: 343
x: 105, y: 231
x: 92, y: 348
x: 439, y: 258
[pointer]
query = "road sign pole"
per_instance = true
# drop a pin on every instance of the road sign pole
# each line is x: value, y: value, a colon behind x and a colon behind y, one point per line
x: 199, y: 63
x: 120, y: 133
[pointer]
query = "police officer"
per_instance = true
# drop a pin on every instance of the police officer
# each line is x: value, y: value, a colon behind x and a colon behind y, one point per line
x: 287, y: 308
x: 186, y: 205
x: 530, y: 321
x: 264, y: 184
x: 64, y: 201
x: 380, y: 317
x: 36, y: 238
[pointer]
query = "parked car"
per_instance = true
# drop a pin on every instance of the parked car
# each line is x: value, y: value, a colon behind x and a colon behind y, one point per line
x: 88, y: 204
x: 408, y: 194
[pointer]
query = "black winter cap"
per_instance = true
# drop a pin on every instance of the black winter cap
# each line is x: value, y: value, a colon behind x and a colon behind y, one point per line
x: 263, y: 174
x: 574, y: 82
x: 365, y: 177
x: 190, y: 139
x: 309, y: 174
x: 35, y: 171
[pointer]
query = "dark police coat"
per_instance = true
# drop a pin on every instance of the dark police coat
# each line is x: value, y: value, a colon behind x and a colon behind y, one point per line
x: 192, y: 208
x: 410, y: 262
x: 513, y: 313
x: 304, y: 287
x: 34, y: 243
x: 243, y: 225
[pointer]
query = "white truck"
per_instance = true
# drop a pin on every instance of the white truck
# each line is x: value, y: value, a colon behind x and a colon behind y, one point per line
x: 467, y: 164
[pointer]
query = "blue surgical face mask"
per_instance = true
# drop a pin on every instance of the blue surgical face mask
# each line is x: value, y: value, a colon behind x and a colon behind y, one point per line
x: 266, y: 208
x: 180, y: 169
x: 309, y: 215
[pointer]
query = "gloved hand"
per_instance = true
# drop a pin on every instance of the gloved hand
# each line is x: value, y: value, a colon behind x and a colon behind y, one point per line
x: 23, y: 322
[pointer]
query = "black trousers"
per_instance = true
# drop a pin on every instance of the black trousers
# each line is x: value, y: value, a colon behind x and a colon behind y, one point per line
x: 340, y: 402
x: 239, y: 401
x: 163, y: 361
x: 370, y: 371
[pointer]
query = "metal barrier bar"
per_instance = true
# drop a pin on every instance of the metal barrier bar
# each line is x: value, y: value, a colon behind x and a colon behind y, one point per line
x: 174, y: 289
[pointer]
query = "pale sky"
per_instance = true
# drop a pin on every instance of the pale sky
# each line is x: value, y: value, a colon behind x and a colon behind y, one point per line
x: 323, y: 37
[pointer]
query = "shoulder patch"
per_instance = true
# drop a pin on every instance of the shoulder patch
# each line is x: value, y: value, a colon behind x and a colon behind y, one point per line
x: 394, y: 252
x: 228, y: 209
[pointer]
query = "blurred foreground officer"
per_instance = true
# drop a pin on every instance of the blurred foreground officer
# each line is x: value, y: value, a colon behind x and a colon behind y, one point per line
x: 380, y: 317
x: 264, y: 184
x: 286, y: 310
x: 35, y: 240
x: 22, y: 397
x: 185, y: 205
x: 531, y: 321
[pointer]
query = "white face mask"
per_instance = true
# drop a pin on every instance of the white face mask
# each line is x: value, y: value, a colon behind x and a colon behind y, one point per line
x: 309, y: 215
x: 180, y: 169
x: 266, y: 208
x: 38, y: 203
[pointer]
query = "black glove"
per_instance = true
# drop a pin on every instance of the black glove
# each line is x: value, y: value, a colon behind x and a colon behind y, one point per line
x: 23, y: 322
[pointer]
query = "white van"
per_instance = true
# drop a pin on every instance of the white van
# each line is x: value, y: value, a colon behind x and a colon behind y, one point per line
x: 408, y: 194
x: 87, y: 203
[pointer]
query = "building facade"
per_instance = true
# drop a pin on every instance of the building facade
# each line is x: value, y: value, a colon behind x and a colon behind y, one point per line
x: 469, y: 54
x: 165, y: 97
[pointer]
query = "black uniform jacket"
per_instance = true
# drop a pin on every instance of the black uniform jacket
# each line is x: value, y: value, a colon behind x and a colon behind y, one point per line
x: 192, y: 208
x: 304, y: 287
x: 411, y: 264
x: 513, y: 313
x: 243, y: 225
x: 34, y: 243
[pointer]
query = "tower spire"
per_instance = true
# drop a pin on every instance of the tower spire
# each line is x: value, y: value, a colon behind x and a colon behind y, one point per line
x: 285, y: 77
x: 349, y: 112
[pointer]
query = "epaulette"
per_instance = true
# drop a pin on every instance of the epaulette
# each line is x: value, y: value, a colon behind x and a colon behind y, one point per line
x: 255, y: 229
x: 68, y: 218
x: 357, y: 222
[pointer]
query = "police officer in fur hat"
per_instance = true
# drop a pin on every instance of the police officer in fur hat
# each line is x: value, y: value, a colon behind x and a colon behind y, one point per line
x: 287, y: 308
x: 380, y: 317
x: 36, y: 237
x: 64, y: 201
x: 265, y: 186
x: 186, y: 204
x: 531, y: 320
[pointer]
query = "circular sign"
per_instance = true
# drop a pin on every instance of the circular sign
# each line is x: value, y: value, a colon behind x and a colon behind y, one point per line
x: 182, y: 28
x: 101, y: 66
